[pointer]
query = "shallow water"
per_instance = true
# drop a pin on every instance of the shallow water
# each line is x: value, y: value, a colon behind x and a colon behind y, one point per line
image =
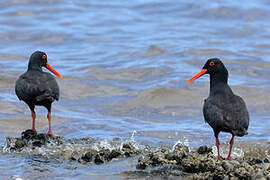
x: 124, y: 66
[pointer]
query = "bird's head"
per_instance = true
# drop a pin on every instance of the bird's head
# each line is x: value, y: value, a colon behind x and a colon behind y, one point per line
x: 39, y: 59
x: 212, y: 66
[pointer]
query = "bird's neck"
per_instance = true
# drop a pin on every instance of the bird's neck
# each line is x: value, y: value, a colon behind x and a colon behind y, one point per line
x: 219, y: 84
x: 32, y: 65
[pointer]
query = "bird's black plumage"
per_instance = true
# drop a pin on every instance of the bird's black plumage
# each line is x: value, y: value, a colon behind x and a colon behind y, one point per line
x: 223, y: 110
x: 36, y: 87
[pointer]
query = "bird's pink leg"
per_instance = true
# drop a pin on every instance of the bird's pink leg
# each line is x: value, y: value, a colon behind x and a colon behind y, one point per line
x: 217, y: 144
x: 50, y: 132
x: 33, y: 120
x: 231, y: 145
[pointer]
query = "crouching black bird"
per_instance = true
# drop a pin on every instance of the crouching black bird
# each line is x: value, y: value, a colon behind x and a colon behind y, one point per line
x: 36, y: 87
x: 223, y: 110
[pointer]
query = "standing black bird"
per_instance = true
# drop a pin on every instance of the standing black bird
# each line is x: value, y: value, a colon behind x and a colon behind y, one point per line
x: 223, y: 110
x: 36, y: 87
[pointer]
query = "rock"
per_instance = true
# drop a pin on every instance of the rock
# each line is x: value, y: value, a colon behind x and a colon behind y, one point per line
x: 126, y: 146
x: 204, y: 149
x: 247, y: 166
x: 181, y: 148
x: 190, y: 165
x: 37, y: 140
x: 37, y: 143
x: 98, y: 159
x: 28, y: 134
x: 105, y: 153
x: 203, y: 165
x: 141, y: 166
x: 266, y: 170
x: 156, y: 160
x: 75, y: 156
x: 227, y: 166
x: 43, y: 138
x: 253, y: 161
x: 129, y: 150
x: 159, y: 162
x: 142, y: 163
x: 266, y: 167
x: 259, y: 176
x: 242, y: 173
x: 178, y: 153
x: 234, y: 162
x: 219, y: 173
x: 88, y: 157
x: 114, y: 154
x: 266, y: 160
x: 173, y: 157
x: 199, y: 163
x: 19, y: 143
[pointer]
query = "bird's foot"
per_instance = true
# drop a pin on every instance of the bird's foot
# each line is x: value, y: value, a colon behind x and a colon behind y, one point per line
x: 34, y: 129
x: 220, y: 158
x: 50, y: 132
x: 229, y: 158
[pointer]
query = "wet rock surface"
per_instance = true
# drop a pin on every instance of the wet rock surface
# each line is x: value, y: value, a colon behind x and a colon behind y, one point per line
x: 30, y: 139
x: 202, y: 164
x: 83, y: 150
x: 182, y: 162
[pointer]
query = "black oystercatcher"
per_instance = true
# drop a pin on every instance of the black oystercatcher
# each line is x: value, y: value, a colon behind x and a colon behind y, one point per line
x: 223, y: 110
x: 36, y: 87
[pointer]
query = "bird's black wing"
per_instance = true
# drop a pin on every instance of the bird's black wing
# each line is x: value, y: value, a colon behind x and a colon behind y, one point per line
x: 241, y: 116
x: 37, y: 86
x: 49, y: 87
x: 227, y: 114
x: 25, y: 89
x: 212, y: 115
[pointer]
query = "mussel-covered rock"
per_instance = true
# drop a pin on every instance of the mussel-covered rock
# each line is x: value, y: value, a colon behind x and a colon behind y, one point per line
x: 200, y: 163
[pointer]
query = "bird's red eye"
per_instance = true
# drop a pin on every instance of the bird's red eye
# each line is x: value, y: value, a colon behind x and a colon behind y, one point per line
x: 212, y: 63
x: 44, y: 56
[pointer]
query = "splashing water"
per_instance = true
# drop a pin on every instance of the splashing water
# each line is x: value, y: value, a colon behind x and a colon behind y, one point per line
x: 183, y: 142
x: 132, y: 138
x: 133, y: 142
x: 16, y: 177
x: 237, y: 152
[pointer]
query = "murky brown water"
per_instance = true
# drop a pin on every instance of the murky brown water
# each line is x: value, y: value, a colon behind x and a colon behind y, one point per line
x: 124, y: 66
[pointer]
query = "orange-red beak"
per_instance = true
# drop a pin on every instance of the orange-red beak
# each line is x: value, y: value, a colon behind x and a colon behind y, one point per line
x: 199, y: 74
x: 48, y: 66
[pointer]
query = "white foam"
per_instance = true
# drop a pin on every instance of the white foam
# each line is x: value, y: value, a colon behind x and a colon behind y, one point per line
x: 16, y: 177
x: 237, y: 152
x: 132, y: 138
x: 183, y: 142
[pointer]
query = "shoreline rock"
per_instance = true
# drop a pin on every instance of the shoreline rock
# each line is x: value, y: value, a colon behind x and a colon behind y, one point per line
x: 202, y: 164
x: 198, y: 164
